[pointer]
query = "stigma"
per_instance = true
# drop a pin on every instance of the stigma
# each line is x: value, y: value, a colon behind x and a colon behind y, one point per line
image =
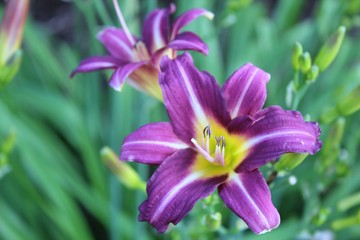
x: 218, y: 156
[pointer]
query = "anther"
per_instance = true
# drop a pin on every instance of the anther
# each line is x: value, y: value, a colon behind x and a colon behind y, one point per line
x: 217, y: 141
x: 207, y: 131
x: 223, y: 142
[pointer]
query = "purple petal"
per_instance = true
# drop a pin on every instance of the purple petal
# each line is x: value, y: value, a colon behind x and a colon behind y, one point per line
x: 120, y: 75
x: 157, y: 56
x: 116, y: 43
x: 188, y: 41
x: 156, y: 33
x: 192, y: 98
x: 273, y: 132
x: 248, y: 196
x: 174, y: 189
x: 97, y: 63
x: 151, y: 144
x: 188, y: 17
x: 245, y: 90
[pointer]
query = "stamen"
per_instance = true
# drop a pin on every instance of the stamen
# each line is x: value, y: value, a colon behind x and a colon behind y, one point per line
x: 207, y: 131
x: 217, y: 152
x: 202, y: 151
x: 208, y: 144
x: 223, y: 155
x: 207, y: 134
x: 223, y: 150
x: 220, y: 150
x: 123, y: 24
x: 217, y: 141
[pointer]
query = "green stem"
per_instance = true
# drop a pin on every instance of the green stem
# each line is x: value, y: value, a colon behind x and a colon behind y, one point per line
x: 115, y: 203
x: 298, y: 95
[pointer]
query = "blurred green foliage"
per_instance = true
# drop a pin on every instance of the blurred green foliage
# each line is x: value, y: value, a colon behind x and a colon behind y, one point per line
x: 58, y: 187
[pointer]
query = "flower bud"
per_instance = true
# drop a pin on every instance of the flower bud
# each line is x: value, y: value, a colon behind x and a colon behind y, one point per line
x: 11, y: 30
x: 235, y: 5
x: 312, y: 74
x: 346, y: 222
x: 289, y: 161
x: 330, y: 49
x: 297, y: 51
x: 123, y: 171
x: 346, y: 106
x: 305, y: 62
x: 349, y: 202
x: 331, y: 147
x: 350, y: 103
x: 10, y: 68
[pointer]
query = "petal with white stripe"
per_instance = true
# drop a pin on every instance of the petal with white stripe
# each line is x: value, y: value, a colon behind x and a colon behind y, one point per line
x: 121, y: 73
x: 188, y: 41
x: 192, y: 98
x: 156, y: 32
x: 174, y: 189
x: 248, y: 196
x: 151, y: 144
x: 187, y: 17
x: 97, y: 63
x: 116, y: 43
x: 245, y: 90
x: 273, y: 132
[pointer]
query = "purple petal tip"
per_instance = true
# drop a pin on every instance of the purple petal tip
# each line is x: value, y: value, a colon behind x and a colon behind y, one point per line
x: 318, y: 143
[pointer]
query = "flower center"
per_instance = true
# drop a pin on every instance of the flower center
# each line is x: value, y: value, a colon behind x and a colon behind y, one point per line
x: 140, y: 52
x: 218, y: 156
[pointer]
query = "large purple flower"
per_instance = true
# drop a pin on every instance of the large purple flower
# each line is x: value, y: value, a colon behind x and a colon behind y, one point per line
x: 217, y: 138
x: 139, y: 59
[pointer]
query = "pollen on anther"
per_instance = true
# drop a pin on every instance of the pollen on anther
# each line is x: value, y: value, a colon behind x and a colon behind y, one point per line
x: 207, y: 131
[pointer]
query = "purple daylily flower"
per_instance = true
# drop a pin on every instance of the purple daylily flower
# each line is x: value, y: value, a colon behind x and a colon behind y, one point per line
x: 217, y: 138
x: 139, y: 59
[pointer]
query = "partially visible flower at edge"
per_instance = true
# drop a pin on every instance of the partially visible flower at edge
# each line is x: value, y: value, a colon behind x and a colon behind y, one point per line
x: 217, y: 138
x: 11, y: 31
x: 139, y: 59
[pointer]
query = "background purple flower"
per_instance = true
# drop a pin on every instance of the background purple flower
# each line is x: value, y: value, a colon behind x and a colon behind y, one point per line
x: 138, y: 58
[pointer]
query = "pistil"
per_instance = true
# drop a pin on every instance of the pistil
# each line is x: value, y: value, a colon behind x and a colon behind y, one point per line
x: 123, y: 23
